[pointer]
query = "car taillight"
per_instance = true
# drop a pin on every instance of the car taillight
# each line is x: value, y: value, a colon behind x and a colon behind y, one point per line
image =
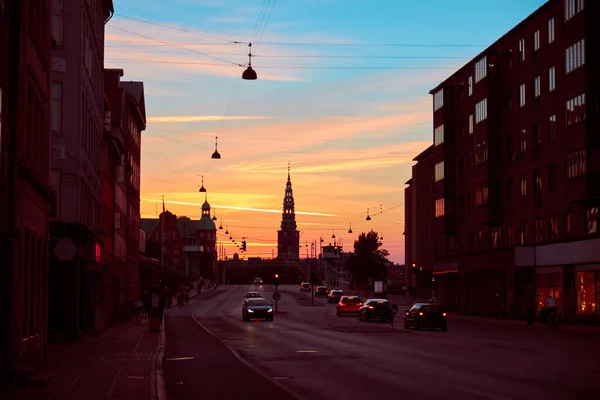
x: 342, y: 304
x: 359, y: 304
x: 421, y: 314
x: 371, y: 307
x: 443, y: 314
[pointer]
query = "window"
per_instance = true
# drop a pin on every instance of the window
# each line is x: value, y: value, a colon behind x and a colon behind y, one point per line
x: 522, y: 95
x: 481, y: 152
x: 551, y: 79
x: 550, y: 30
x: 523, y: 140
x: 438, y: 135
x: 537, y: 181
x: 438, y: 100
x: 495, y: 237
x: 537, y: 86
x: 552, y: 177
x: 55, y: 186
x: 536, y: 41
x: 470, y: 124
x: 523, y: 232
x: 439, y: 171
x: 481, y: 111
x: 553, y: 226
x: 572, y: 8
x: 538, y: 230
x: 510, y: 235
x: 575, y: 110
x: 481, y: 195
x: 470, y: 86
x: 591, y: 220
x: 439, y: 208
x: 521, y: 50
x: 509, y: 189
x: 568, y: 223
x: 536, y: 133
x: 575, y: 164
x: 509, y: 147
x: 56, y: 106
x: 480, y: 69
x: 57, y: 22
x: 523, y: 185
x: 552, y: 127
x: 575, y: 56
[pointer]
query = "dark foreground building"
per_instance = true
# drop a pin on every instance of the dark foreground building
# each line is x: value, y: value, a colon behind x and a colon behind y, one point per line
x: 515, y: 181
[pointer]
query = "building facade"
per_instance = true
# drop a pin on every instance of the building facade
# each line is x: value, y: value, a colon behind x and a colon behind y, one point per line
x: 418, y: 230
x: 25, y: 194
x: 288, y: 237
x: 77, y: 126
x: 516, y: 174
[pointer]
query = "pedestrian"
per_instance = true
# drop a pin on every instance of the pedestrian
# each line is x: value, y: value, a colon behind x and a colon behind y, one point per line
x: 404, y: 290
x: 187, y: 297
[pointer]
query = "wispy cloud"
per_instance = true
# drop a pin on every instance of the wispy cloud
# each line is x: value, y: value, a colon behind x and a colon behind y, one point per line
x: 206, y: 118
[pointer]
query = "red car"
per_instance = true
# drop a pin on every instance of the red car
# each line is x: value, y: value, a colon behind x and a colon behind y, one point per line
x: 348, y: 305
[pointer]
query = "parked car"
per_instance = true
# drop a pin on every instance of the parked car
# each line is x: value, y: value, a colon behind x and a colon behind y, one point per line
x: 257, y: 309
x: 348, y: 305
x: 305, y: 287
x: 321, y: 291
x: 426, y: 315
x: 376, y: 309
x: 335, y: 295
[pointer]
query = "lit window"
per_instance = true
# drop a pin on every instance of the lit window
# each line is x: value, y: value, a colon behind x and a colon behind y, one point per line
x: 470, y: 123
x: 470, y: 86
x: 536, y: 40
x: 554, y: 226
x: 537, y: 86
x: 438, y: 135
x: 575, y: 56
x: 438, y: 100
x: 523, y: 140
x: 522, y: 50
x: 480, y: 69
x: 575, y: 110
x: 522, y: 95
x: 481, y: 111
x: 481, y: 152
x: 523, y: 185
x: 591, y: 220
x: 439, y: 171
x: 551, y: 79
x: 550, y: 30
x: 552, y: 127
x: 57, y: 22
x: 481, y: 195
x: 439, y: 207
x: 575, y: 164
x: 495, y: 237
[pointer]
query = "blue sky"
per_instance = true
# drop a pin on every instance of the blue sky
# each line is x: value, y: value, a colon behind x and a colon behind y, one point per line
x: 349, y: 118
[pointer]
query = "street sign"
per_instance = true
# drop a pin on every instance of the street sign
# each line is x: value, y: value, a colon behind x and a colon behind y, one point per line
x: 276, y: 296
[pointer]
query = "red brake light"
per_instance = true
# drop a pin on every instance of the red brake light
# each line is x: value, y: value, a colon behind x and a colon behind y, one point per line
x: 342, y: 304
x: 371, y: 307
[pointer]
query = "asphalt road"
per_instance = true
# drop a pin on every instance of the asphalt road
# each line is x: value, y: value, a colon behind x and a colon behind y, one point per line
x: 318, y: 355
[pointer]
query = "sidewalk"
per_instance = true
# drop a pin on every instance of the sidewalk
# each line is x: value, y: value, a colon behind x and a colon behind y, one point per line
x: 115, y: 364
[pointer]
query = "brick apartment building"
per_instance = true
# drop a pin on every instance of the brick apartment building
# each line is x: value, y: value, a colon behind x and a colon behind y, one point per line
x: 25, y: 194
x: 514, y: 172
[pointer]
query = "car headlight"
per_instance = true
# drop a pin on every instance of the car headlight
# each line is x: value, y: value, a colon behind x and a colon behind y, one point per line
x: 270, y: 310
x: 249, y: 310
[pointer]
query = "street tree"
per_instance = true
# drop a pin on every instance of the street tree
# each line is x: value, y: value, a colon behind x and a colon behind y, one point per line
x: 369, y: 259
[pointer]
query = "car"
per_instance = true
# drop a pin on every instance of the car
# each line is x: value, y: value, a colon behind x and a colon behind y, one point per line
x: 258, y: 281
x: 335, y: 295
x: 348, y: 305
x: 305, y: 287
x: 376, y: 309
x: 252, y: 295
x: 321, y: 291
x: 257, y: 309
x: 426, y: 315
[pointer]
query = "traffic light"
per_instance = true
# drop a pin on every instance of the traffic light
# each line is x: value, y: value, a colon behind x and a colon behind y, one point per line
x: 244, y: 245
x: 276, y: 280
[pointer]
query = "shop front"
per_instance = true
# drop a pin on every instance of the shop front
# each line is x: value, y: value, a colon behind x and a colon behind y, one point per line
x: 588, y: 291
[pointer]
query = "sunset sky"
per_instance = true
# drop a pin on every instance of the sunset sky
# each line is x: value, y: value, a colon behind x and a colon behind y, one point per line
x: 342, y: 94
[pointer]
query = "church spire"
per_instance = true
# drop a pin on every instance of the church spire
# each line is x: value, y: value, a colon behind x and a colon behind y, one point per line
x: 289, y: 171
x: 288, y: 237
x: 288, y: 220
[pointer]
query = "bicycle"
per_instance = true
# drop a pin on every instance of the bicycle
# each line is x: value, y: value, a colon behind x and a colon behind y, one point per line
x: 552, y: 321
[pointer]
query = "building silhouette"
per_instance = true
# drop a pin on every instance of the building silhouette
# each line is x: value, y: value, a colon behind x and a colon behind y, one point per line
x: 288, y: 237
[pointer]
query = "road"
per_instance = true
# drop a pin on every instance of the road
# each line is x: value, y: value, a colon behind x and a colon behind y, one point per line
x: 317, y: 355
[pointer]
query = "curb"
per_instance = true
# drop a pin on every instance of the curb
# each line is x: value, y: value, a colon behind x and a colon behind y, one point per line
x: 156, y: 376
x: 237, y: 355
